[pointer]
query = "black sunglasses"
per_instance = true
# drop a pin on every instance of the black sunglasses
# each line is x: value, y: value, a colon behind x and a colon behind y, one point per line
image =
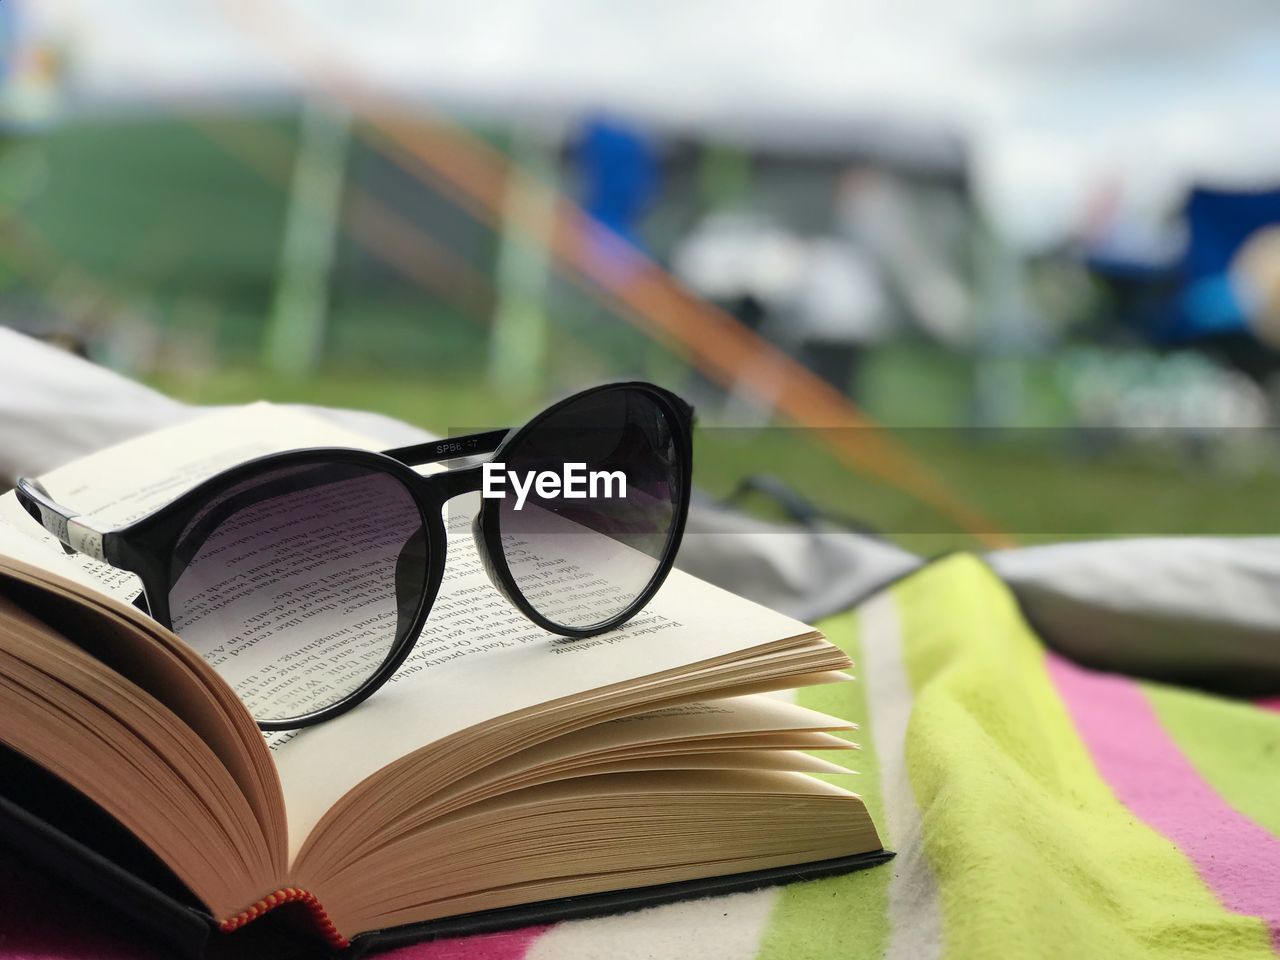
x: 306, y: 577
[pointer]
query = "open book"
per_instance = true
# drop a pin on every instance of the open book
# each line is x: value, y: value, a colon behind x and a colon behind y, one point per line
x: 505, y: 775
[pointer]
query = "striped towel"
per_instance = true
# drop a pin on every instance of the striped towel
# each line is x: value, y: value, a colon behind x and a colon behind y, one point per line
x: 1038, y: 809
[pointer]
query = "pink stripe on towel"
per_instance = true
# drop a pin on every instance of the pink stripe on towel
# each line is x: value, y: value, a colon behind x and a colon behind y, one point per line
x: 1237, y: 858
x: 507, y: 945
x: 1270, y: 703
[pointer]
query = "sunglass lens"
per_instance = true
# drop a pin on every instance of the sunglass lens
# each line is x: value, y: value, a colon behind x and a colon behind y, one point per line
x: 297, y: 583
x: 583, y: 548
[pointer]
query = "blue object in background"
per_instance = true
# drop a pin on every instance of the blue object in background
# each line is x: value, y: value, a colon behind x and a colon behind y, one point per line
x: 620, y: 175
x: 1195, y: 297
x: 1208, y: 307
x: 1219, y: 222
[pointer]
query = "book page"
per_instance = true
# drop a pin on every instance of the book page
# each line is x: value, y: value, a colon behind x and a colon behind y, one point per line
x: 744, y: 733
x: 133, y: 478
x: 742, y: 725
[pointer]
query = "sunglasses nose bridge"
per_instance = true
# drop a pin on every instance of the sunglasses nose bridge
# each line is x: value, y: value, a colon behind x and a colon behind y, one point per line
x: 487, y: 561
x: 445, y: 486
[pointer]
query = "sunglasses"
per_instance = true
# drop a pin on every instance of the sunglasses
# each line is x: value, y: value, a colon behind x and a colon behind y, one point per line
x: 306, y: 577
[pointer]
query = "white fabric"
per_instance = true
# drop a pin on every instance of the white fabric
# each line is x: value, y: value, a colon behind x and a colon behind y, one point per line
x: 1197, y: 610
x: 55, y: 407
x: 915, y: 904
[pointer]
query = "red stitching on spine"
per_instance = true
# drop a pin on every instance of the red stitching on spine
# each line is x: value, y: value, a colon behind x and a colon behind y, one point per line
x: 281, y: 897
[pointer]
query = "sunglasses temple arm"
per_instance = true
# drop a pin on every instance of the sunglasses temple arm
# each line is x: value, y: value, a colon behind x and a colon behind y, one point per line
x: 75, y: 532
x: 450, y: 448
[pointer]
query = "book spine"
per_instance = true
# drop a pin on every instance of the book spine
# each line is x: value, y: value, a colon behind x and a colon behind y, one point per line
x: 319, y: 916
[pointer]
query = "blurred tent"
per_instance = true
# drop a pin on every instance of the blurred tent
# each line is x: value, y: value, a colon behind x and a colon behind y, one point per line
x: 1048, y: 99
